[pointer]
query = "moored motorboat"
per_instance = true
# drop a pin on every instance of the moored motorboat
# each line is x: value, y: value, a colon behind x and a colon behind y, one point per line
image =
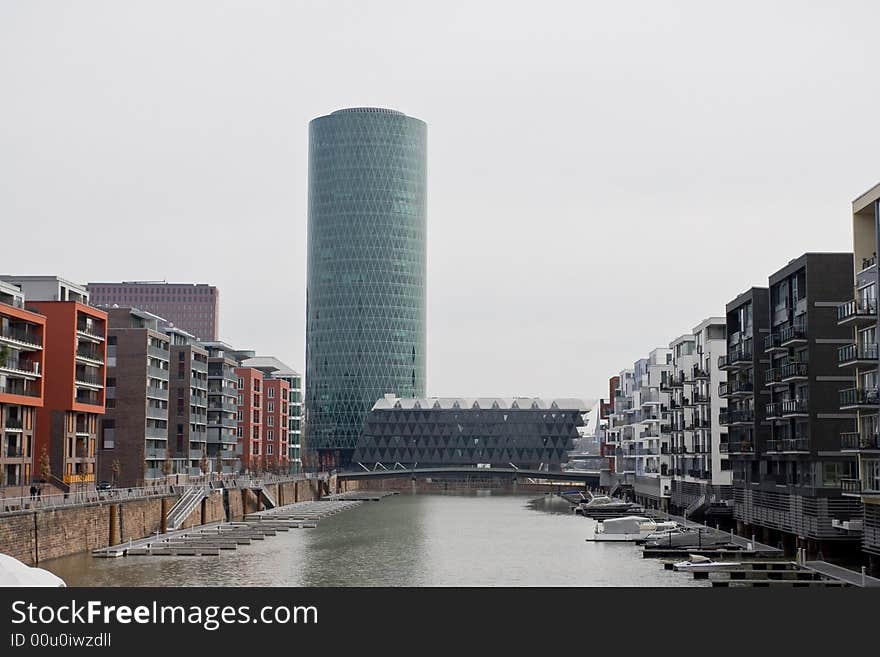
x: 628, y: 528
x: 698, y: 563
x: 686, y: 537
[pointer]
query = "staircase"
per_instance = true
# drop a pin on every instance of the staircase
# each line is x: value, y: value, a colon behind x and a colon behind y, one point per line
x: 614, y: 489
x: 268, y: 500
x: 185, y: 506
x: 695, y: 506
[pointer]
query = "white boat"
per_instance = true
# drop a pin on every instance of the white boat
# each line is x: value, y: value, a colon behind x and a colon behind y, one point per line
x: 686, y: 537
x: 629, y: 528
x: 697, y: 563
x: 604, y: 503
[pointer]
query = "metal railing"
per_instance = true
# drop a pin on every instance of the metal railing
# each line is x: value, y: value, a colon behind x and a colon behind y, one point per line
x: 794, y: 406
x: 858, y: 397
x: 851, y: 309
x: 852, y: 352
x: 21, y: 335
x: 793, y: 369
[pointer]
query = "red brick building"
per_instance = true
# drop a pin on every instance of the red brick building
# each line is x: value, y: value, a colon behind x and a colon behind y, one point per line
x: 275, y: 424
x: 22, y: 370
x: 250, y: 418
x: 73, y: 392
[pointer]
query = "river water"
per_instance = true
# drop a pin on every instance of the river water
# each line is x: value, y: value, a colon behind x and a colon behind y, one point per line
x: 453, y: 539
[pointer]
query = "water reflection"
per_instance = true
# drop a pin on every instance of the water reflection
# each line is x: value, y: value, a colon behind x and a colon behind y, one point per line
x: 448, y: 539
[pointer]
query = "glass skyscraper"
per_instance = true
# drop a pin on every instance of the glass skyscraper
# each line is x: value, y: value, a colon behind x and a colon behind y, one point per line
x: 365, y: 301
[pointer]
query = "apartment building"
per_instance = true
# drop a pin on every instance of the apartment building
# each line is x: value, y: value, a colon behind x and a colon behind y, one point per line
x: 701, y: 468
x: 859, y: 358
x: 274, y: 369
x: 66, y: 437
x: 134, y: 438
x: 223, y: 453
x: 276, y: 414
x: 250, y: 419
x: 193, y: 307
x: 22, y: 370
x: 188, y: 403
x: 788, y: 474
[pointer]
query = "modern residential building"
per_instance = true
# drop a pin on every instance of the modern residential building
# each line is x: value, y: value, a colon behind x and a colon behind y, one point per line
x: 365, y: 305
x: 134, y: 437
x: 22, y: 371
x: 188, y: 404
x: 66, y: 437
x: 48, y: 288
x: 860, y: 359
x: 276, y: 417
x: 193, y: 307
x: 701, y: 470
x: 647, y: 443
x: 274, y: 369
x: 223, y: 451
x: 519, y: 432
x: 790, y: 489
x: 250, y: 418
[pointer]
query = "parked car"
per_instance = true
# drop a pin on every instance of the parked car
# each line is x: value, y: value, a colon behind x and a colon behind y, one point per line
x: 103, y: 485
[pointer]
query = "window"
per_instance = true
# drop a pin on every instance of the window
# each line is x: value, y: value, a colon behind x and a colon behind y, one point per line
x: 271, y: 392
x: 270, y: 435
x: 271, y: 408
x: 271, y: 420
x: 269, y: 449
x: 240, y: 383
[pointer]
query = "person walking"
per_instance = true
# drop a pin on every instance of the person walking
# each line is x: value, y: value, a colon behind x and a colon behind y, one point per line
x: 33, y: 491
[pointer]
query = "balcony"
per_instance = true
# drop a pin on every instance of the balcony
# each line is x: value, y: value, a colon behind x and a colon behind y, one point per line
x: 772, y: 343
x: 724, y: 364
x: 794, y: 371
x: 88, y: 397
x: 18, y: 387
x: 87, y: 352
x: 91, y: 330
x: 853, y: 441
x: 795, y: 445
x: 155, y: 453
x: 742, y: 416
x: 741, y: 447
x: 88, y: 378
x: 21, y: 335
x: 774, y: 411
x: 792, y: 335
x: 157, y: 393
x: 773, y: 376
x: 700, y: 399
x: 158, y: 373
x: 795, y: 407
x: 851, y: 486
x: 741, y: 354
x: 861, y: 355
x: 856, y: 398
x: 857, y: 313
x: 156, y: 433
x: 773, y: 446
x: 154, y: 413
x: 738, y: 388
x: 158, y: 352
x: 700, y: 373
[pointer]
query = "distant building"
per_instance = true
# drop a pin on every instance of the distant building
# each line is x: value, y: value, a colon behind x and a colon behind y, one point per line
x: 48, y: 288
x: 188, y: 404
x: 134, y: 441
x: 519, y: 432
x: 193, y: 307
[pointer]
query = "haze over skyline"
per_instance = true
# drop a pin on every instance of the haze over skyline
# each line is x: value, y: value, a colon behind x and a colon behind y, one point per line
x: 600, y: 178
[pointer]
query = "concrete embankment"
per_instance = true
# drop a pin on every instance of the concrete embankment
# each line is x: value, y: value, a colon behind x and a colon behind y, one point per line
x: 437, y: 483
x: 36, y: 535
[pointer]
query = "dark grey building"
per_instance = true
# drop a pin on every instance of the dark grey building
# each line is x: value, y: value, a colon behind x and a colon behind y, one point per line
x: 522, y: 432
x: 787, y: 484
x: 365, y: 300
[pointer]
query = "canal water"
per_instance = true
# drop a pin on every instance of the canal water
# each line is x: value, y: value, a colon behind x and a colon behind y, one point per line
x: 473, y: 538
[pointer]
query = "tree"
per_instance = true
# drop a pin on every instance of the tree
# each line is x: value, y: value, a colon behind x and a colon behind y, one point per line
x: 45, y: 468
x: 218, y: 464
x: 204, y: 464
x: 115, y: 469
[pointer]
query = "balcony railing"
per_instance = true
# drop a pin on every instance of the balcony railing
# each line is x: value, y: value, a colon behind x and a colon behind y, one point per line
x: 857, y: 397
x: 736, y: 416
x: 773, y: 376
x: 795, y: 445
x: 20, y: 334
x: 856, y: 352
x: 856, y: 311
x: 795, y: 333
x: 18, y: 387
x: 92, y: 329
x: 869, y: 262
x: 722, y: 362
x: 741, y: 447
x: 13, y: 453
x: 794, y: 407
x: 851, y: 486
x: 773, y: 409
x: 853, y: 440
x: 771, y: 342
x: 794, y: 370
x: 87, y: 351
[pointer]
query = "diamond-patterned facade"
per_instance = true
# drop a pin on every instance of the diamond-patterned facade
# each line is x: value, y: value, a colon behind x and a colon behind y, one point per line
x: 428, y: 435
x: 365, y: 302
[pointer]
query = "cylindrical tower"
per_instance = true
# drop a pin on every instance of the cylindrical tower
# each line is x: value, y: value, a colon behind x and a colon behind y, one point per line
x: 365, y: 300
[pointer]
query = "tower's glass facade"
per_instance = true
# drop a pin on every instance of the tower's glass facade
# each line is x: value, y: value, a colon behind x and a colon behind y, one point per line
x: 365, y: 302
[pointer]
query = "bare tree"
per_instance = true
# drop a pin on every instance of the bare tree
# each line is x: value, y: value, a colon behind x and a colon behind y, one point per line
x: 115, y: 469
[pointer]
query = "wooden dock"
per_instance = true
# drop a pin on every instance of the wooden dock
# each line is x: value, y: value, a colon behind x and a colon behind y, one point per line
x: 212, y: 539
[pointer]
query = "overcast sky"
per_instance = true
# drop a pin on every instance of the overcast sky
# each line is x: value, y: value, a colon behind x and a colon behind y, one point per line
x: 601, y: 176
